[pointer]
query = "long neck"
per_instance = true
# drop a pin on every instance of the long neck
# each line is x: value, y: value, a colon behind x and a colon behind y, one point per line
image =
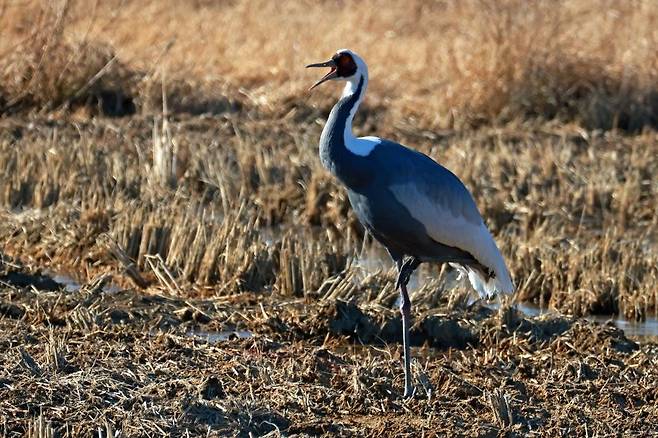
x: 336, y: 137
x: 354, y: 91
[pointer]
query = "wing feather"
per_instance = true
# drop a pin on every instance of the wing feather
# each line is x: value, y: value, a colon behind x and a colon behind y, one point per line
x: 435, y: 197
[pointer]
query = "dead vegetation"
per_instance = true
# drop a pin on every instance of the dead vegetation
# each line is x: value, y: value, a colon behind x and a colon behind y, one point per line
x: 43, y: 67
x: 447, y: 64
x: 143, y: 365
x: 574, y: 212
x: 206, y: 204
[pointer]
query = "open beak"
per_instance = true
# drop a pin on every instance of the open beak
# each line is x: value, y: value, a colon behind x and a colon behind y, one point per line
x: 332, y: 73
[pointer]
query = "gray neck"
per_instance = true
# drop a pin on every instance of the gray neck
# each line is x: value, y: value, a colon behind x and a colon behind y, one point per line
x: 334, y: 154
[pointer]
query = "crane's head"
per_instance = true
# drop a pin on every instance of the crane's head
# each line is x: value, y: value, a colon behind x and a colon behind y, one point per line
x: 345, y: 66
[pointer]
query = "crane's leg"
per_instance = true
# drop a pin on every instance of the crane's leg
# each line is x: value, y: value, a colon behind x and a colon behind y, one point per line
x: 405, y: 269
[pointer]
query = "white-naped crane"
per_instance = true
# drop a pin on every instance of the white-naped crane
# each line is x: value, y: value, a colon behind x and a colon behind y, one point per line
x: 416, y: 208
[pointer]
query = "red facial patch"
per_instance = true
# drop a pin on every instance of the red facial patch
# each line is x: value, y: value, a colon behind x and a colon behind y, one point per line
x: 345, y: 60
x: 345, y: 64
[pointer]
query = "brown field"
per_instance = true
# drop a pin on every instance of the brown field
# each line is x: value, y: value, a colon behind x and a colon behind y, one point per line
x: 169, y: 149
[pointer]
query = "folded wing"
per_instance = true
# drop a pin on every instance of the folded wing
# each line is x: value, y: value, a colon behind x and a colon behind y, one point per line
x: 435, y: 197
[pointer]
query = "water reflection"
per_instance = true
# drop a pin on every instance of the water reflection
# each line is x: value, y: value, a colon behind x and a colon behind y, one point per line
x: 632, y: 329
x: 645, y: 329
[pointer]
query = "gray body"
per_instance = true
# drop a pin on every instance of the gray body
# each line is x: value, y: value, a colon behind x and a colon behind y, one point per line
x: 368, y: 180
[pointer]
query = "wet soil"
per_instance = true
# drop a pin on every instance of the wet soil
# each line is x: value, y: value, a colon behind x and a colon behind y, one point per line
x: 100, y: 361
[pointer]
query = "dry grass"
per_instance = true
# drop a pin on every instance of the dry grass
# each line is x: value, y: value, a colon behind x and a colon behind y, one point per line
x: 44, y: 68
x: 442, y: 63
x: 575, y: 213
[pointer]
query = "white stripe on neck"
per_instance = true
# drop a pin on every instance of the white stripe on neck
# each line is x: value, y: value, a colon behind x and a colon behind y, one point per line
x: 361, y: 146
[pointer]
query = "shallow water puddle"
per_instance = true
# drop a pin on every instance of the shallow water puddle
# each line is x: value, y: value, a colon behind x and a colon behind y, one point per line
x: 645, y: 329
x: 633, y: 329
x: 220, y: 336
x: 72, y: 285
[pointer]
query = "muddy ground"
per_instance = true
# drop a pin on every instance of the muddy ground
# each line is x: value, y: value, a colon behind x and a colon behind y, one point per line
x: 106, y: 361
